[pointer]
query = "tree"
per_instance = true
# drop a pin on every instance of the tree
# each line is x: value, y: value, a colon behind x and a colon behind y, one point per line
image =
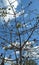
x: 19, y: 35
x: 31, y: 62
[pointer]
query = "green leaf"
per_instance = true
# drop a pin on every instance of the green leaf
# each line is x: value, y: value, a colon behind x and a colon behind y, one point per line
x: 18, y: 25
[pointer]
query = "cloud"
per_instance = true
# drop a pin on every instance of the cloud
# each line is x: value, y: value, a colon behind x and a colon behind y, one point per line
x: 17, y: 52
x: 15, y: 4
x: 10, y: 13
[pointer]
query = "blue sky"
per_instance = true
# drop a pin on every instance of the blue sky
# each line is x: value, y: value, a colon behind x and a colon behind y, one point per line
x: 29, y: 18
